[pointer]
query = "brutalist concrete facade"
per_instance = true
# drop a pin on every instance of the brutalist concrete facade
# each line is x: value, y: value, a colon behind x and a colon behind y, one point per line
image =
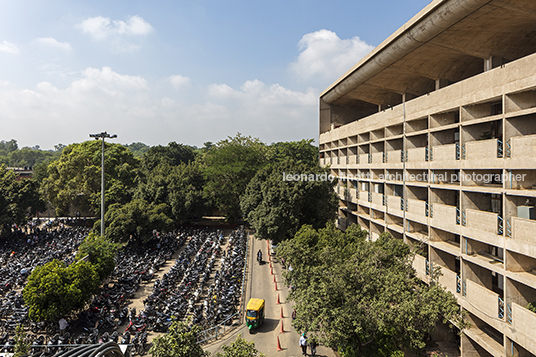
x: 433, y: 139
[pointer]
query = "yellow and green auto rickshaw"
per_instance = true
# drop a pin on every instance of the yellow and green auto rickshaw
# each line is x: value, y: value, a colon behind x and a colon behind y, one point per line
x: 254, y: 313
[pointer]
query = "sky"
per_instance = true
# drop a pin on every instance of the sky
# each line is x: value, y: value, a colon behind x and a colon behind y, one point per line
x: 184, y: 71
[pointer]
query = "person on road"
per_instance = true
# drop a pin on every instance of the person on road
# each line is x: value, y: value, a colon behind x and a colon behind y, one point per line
x: 63, y: 325
x: 259, y: 255
x: 312, y: 344
x: 303, y: 344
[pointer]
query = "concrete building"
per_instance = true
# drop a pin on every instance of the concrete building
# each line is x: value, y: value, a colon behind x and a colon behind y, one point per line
x: 433, y: 139
x: 22, y: 173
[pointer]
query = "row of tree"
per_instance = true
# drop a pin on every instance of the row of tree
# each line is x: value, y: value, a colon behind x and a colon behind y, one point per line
x: 362, y: 297
x: 165, y: 186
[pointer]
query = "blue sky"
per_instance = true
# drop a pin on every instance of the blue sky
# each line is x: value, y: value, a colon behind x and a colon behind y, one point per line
x: 185, y: 71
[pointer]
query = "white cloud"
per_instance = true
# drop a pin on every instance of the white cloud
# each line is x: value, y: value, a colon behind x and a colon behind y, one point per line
x: 179, y: 81
x: 101, y: 28
x: 53, y: 43
x: 102, y: 99
x: 9, y: 47
x: 324, y: 56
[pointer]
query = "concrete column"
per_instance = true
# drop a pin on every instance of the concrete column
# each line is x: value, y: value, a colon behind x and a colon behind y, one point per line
x: 467, y: 347
x: 492, y: 62
x: 440, y: 83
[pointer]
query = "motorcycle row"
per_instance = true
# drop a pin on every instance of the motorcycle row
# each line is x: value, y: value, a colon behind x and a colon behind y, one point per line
x: 184, y: 291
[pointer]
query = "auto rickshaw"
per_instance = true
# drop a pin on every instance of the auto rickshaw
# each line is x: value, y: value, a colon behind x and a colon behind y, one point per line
x: 254, y: 313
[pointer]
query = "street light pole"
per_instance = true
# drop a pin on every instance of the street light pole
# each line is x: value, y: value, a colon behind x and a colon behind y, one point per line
x: 102, y: 136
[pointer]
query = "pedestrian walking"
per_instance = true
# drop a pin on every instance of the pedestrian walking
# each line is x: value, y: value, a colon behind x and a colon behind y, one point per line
x: 303, y: 344
x: 312, y: 345
x: 63, y: 325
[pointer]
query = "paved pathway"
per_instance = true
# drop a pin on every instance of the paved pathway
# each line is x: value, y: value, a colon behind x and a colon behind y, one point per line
x: 260, y: 284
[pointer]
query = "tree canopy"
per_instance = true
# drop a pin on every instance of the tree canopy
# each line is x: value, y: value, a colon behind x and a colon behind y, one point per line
x: 75, y: 179
x: 55, y: 290
x: 362, y: 297
x: 179, y: 341
x: 173, y: 154
x: 277, y: 207
x: 17, y: 198
x: 180, y: 187
x: 135, y: 221
x: 240, y: 348
x: 100, y: 252
x: 228, y: 167
x: 300, y: 152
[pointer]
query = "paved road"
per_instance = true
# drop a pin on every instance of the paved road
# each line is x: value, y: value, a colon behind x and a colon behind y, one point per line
x: 260, y: 284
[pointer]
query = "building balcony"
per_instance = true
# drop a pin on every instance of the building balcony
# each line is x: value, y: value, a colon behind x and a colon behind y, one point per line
x: 420, y: 265
x: 523, y: 320
x: 353, y: 194
x: 394, y: 205
x: 417, y: 211
x: 449, y: 280
x: 377, y: 158
x: 443, y: 216
x: 482, y: 221
x: 416, y: 155
x: 444, y: 153
x: 482, y: 301
x: 394, y: 158
x: 483, y: 340
x: 365, y: 159
x: 483, y: 154
x: 520, y: 149
x: 377, y: 201
x: 522, y: 231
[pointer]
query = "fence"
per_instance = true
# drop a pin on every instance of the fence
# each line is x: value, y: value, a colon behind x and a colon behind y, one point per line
x: 221, y: 328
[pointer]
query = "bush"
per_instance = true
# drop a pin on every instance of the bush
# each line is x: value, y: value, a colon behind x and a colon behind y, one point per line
x: 100, y: 252
x: 55, y: 290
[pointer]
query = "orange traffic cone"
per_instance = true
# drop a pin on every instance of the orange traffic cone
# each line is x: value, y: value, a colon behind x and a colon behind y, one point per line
x: 275, y: 285
x: 271, y: 270
x: 274, y: 278
x: 281, y: 315
x: 281, y: 330
x: 279, y: 345
x: 278, y: 302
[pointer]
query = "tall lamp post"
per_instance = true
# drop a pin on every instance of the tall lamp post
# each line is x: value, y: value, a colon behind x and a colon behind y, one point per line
x: 102, y: 136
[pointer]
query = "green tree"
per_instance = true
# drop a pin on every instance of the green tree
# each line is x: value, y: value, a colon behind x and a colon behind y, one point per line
x: 22, y: 347
x: 28, y: 157
x: 173, y: 154
x: 138, y: 149
x: 362, y: 296
x: 75, y: 179
x: 240, y: 348
x: 180, y: 187
x: 300, y: 152
x: 228, y: 167
x: 135, y: 221
x: 100, y: 252
x: 17, y: 198
x: 180, y: 341
x: 54, y: 290
x: 277, y: 207
x: 7, y: 147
